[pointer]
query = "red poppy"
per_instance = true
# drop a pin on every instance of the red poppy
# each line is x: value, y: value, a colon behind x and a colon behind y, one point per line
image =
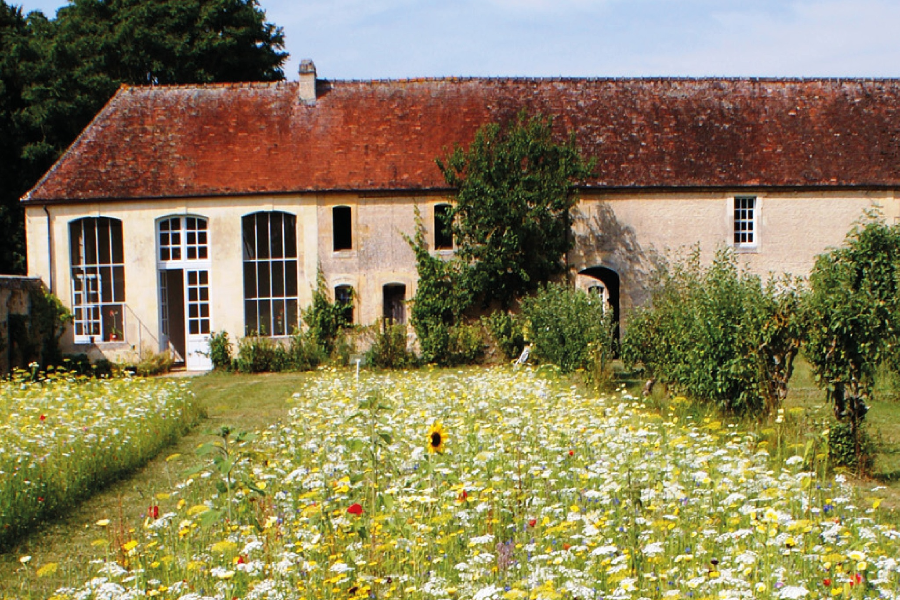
x: 43, y: 417
x: 153, y: 512
x: 355, y: 509
x: 571, y: 453
x: 532, y: 522
x: 463, y: 496
x: 826, y: 582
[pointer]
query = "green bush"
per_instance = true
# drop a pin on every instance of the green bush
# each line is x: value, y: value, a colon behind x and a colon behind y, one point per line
x: 466, y: 344
x: 570, y: 328
x: 220, y: 351
x: 441, y: 298
x: 325, y: 319
x: 257, y: 354
x: 304, y: 352
x: 388, y: 350
x: 717, y: 334
x: 507, y: 331
x: 154, y: 363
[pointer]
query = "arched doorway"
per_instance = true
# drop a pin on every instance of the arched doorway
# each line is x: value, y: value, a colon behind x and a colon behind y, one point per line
x: 603, y: 282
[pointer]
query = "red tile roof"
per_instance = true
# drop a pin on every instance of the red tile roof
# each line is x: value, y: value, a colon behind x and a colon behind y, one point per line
x: 156, y: 142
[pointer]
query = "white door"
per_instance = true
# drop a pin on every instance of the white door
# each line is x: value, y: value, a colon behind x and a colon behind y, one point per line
x: 198, y: 322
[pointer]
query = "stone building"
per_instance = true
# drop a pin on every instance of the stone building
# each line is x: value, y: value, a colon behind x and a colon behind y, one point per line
x: 183, y: 210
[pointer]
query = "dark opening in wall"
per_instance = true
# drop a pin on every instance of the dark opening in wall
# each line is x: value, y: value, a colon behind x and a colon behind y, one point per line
x: 443, y: 234
x: 343, y: 294
x: 395, y: 303
x: 343, y: 229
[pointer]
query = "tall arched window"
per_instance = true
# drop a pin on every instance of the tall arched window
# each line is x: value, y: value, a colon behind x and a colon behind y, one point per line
x: 270, y: 273
x: 98, y: 279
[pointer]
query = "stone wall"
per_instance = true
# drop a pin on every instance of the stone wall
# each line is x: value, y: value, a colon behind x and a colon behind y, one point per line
x: 15, y: 312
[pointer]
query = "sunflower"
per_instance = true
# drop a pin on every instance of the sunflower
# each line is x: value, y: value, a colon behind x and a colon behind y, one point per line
x: 436, y: 438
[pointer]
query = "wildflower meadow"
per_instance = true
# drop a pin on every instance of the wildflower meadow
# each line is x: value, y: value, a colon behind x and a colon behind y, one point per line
x: 488, y: 485
x: 63, y: 436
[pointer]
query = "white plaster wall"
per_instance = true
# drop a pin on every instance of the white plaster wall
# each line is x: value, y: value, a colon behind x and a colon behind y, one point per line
x: 621, y: 231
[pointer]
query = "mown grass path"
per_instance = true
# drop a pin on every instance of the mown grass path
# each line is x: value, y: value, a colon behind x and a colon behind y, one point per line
x: 247, y: 403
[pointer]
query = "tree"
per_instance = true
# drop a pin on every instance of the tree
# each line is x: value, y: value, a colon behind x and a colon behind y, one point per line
x: 853, y: 317
x: 55, y: 75
x: 515, y: 188
x: 13, y: 34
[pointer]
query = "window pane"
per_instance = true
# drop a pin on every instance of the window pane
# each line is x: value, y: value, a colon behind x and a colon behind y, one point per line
x: 290, y: 236
x: 265, y: 317
x: 90, y: 242
x: 251, y: 325
x: 115, y: 228
x: 278, y: 317
x: 262, y: 236
x: 277, y: 237
x: 248, y: 230
x: 250, y: 280
x: 118, y: 284
x: 278, y: 279
x: 290, y: 278
x: 292, y: 312
x: 263, y: 283
x: 76, y: 234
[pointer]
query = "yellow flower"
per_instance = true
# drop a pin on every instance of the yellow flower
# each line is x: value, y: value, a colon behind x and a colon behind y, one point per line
x: 436, y: 438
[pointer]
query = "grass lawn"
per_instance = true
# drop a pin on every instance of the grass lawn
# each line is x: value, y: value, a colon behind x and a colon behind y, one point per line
x: 248, y: 402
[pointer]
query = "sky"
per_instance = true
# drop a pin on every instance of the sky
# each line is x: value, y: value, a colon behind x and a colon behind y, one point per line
x: 391, y: 39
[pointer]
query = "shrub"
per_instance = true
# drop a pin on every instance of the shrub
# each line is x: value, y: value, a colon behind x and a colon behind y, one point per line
x: 717, y: 334
x: 508, y: 333
x: 324, y: 318
x: 257, y: 354
x: 388, y: 350
x: 220, y: 351
x: 466, y: 344
x: 154, y: 363
x: 569, y: 328
x: 441, y: 298
x: 304, y: 352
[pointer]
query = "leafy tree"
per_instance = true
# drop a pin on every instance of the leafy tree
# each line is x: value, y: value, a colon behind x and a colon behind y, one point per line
x: 13, y: 35
x: 515, y: 188
x: 718, y: 334
x: 55, y: 75
x: 853, y: 319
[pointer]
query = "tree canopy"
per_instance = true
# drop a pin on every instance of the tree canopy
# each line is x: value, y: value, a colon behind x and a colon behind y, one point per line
x: 515, y: 187
x: 56, y: 74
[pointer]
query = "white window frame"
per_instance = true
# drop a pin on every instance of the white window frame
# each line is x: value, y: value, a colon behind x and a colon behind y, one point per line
x: 255, y: 263
x: 745, y: 227
x: 98, y: 284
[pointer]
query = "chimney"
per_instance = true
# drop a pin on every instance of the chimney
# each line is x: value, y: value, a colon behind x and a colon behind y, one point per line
x: 307, y: 82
